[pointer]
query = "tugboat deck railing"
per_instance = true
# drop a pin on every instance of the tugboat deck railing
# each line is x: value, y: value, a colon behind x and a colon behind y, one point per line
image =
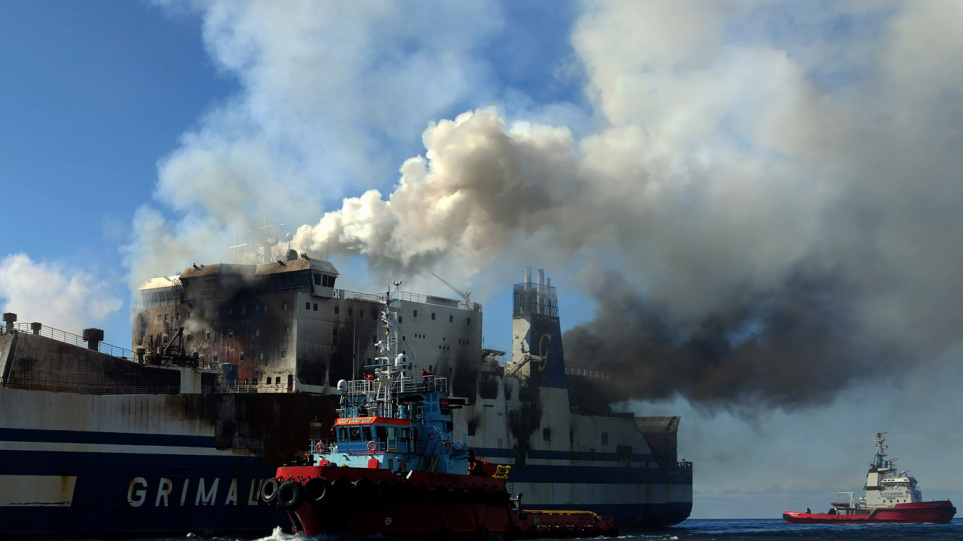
x: 405, y: 385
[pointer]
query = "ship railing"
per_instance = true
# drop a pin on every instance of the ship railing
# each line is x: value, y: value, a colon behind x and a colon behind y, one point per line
x: 408, y: 384
x: 68, y: 338
x: 532, y: 298
x: 327, y: 445
x: 407, y: 297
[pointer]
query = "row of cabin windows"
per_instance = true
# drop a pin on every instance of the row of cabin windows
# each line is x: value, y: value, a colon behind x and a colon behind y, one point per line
x: 267, y: 380
x: 260, y: 355
x: 364, y: 433
x: 258, y: 308
x: 374, y: 314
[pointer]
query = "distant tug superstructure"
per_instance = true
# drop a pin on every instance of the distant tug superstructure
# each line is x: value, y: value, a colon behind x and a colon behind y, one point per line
x: 891, y: 496
x: 235, y: 367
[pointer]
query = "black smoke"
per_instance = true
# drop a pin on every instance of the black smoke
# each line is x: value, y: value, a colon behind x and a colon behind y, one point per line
x: 793, y: 346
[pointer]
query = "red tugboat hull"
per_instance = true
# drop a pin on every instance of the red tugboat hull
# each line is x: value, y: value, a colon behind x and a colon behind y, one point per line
x: 934, y: 512
x: 362, y: 502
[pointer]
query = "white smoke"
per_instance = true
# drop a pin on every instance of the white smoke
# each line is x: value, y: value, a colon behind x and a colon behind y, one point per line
x: 755, y: 171
x: 329, y: 93
x: 53, y: 294
x: 480, y: 189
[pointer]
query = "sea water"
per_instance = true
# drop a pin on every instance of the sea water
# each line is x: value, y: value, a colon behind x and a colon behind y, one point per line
x: 749, y: 530
x: 718, y: 530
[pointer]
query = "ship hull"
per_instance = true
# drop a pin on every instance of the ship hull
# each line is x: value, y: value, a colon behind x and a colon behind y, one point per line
x: 150, y: 465
x: 422, y: 505
x: 935, y: 512
x: 121, y: 465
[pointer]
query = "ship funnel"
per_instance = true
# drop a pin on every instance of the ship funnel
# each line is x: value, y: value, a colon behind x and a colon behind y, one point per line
x: 9, y: 318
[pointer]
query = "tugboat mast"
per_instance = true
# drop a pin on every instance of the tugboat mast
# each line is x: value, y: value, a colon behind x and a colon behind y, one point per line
x: 879, y: 461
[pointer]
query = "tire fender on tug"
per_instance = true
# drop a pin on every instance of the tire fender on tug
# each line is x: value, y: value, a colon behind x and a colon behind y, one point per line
x: 267, y: 495
x: 341, y: 487
x: 316, y: 489
x: 290, y: 495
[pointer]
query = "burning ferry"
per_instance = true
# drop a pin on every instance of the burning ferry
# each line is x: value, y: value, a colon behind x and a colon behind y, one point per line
x: 235, y: 366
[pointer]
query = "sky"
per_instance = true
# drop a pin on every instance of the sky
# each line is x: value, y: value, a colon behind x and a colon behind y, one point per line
x: 750, y: 209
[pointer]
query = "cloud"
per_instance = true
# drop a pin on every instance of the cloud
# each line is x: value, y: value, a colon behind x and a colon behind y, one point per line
x: 54, y: 295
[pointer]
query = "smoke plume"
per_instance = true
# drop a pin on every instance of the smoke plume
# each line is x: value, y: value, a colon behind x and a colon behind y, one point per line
x: 763, y: 202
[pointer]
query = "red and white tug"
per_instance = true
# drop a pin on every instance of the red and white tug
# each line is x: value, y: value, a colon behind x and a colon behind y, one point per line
x: 394, y: 469
x: 890, y: 497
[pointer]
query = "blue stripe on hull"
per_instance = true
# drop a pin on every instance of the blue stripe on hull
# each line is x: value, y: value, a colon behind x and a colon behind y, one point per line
x: 492, y: 452
x: 604, y: 470
x: 106, y: 438
x: 611, y: 475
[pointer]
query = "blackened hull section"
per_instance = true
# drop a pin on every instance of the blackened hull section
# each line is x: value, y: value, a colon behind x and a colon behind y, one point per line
x: 145, y: 464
